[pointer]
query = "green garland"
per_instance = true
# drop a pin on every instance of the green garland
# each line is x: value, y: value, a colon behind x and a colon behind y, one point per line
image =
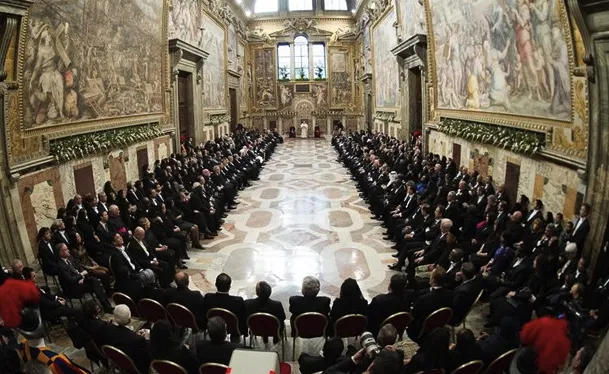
x: 84, y: 145
x: 515, y: 140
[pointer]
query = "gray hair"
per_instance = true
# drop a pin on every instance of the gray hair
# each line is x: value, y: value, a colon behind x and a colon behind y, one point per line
x: 310, y: 286
x: 446, y: 223
x: 571, y: 248
x: 387, y: 335
x: 216, y: 328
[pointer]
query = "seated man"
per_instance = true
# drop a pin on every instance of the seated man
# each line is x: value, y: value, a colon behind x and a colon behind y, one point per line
x: 264, y: 304
x: 51, y: 306
x: 234, y: 304
x: 120, y: 336
x: 75, y: 281
x: 438, y: 297
x: 120, y: 258
x: 466, y: 293
x: 216, y: 349
x: 331, y: 355
x: 398, y: 299
x: 309, y: 301
x: 191, y: 300
x: 146, y: 257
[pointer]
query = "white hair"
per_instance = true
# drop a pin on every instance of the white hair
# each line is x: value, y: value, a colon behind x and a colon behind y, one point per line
x: 571, y: 248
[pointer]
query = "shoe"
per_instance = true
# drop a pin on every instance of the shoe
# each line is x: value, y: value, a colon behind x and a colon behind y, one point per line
x: 182, y: 267
x: 395, y: 267
x: 395, y: 246
x: 384, y: 225
x: 389, y: 238
x: 224, y: 215
x: 207, y: 236
x: 198, y: 246
x: 186, y: 257
x: 231, y: 207
x: 395, y: 255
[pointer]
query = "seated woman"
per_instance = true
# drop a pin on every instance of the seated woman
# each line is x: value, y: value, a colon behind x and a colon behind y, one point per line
x: 166, y: 344
x: 350, y: 301
x: 82, y: 258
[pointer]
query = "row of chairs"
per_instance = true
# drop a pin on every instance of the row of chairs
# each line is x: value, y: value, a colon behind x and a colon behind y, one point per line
x: 499, y: 365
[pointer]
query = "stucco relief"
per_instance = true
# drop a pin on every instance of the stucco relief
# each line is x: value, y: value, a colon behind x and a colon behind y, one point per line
x: 43, y: 204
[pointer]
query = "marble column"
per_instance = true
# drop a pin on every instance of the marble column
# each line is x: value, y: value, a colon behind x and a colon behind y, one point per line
x: 329, y: 125
x: 280, y: 125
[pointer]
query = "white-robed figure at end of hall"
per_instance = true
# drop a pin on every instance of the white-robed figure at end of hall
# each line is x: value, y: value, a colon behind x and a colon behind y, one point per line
x: 304, y: 130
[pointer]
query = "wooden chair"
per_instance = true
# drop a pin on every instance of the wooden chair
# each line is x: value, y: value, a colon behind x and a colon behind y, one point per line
x: 167, y: 367
x: 151, y: 310
x: 53, y: 277
x: 232, y: 322
x: 118, y: 359
x: 121, y: 298
x: 182, y: 317
x: 472, y: 367
x: 350, y: 325
x: 266, y: 325
x: 95, y: 355
x: 501, y: 363
x: 212, y: 368
x: 307, y: 326
x: 400, y: 321
x: 439, y: 318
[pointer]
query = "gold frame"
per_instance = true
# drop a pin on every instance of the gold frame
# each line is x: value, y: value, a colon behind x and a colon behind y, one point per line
x: 224, y: 28
x: 74, y: 128
x: 346, y: 49
x: 373, y: 28
x: 505, y: 119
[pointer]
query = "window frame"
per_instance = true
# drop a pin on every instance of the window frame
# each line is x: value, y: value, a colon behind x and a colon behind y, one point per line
x: 325, y: 60
x: 299, y: 9
x: 337, y: 9
x: 280, y: 58
x: 302, y: 58
x: 275, y: 9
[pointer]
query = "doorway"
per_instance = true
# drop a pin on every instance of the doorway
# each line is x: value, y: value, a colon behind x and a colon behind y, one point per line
x: 232, y: 93
x: 185, y: 105
x: 417, y: 112
x: 512, y: 179
x: 83, y: 179
x: 369, y: 111
x: 142, y: 160
x: 272, y: 124
x: 457, y: 155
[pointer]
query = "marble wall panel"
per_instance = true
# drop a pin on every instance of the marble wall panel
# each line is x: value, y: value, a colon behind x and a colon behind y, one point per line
x: 44, y: 204
x: 554, y: 184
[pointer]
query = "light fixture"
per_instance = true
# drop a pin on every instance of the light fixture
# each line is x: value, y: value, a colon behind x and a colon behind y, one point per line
x: 248, y: 13
x: 353, y: 11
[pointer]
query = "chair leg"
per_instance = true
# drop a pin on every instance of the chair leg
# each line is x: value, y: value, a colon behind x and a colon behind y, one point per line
x: 294, y: 349
x: 283, y: 339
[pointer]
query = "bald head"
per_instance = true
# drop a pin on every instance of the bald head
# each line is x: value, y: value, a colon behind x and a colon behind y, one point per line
x: 182, y: 280
x: 139, y: 233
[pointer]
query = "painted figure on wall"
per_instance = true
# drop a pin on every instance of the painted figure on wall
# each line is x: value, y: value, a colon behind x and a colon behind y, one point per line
x: 214, y: 86
x: 286, y: 95
x: 185, y: 22
x: 507, y: 56
x: 412, y: 16
x: 72, y: 72
x: 385, y: 63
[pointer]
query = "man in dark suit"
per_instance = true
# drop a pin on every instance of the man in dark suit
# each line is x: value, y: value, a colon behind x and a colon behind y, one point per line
x: 264, y: 304
x: 454, y: 210
x: 514, y: 277
x: 309, y: 301
x: 463, y: 196
x: 120, y: 336
x: 581, y: 228
x: 60, y: 235
x: 146, y: 257
x: 191, y: 300
x: 332, y: 354
x: 75, y: 281
x: 120, y: 258
x: 217, y: 349
x: 397, y: 300
x: 465, y: 293
x: 103, y: 230
x: 432, y: 252
x: 234, y: 304
x: 46, y: 252
x: 536, y: 213
x: 438, y: 297
x: 570, y: 263
x: 51, y: 306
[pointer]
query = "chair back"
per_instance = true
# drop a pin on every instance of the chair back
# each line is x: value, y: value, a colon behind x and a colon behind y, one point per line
x: 310, y: 325
x: 432, y: 371
x: 167, y: 367
x: 439, y: 318
x: 181, y: 316
x: 212, y: 368
x: 264, y: 324
x: 350, y: 325
x: 151, y: 310
x: 457, y: 323
x: 95, y: 354
x: 119, y: 359
x: 121, y: 298
x: 472, y: 367
x: 501, y: 363
x: 232, y: 322
x: 399, y: 320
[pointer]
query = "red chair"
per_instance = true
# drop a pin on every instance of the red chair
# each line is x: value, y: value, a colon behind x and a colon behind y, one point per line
x: 400, y: 321
x: 118, y: 359
x: 121, y: 298
x: 167, y: 367
x: 285, y: 368
x: 439, y: 318
x: 307, y: 326
x: 151, y: 310
x: 472, y: 367
x: 501, y: 363
x: 266, y: 325
x: 350, y: 325
x: 182, y: 317
x: 212, y: 368
x: 432, y: 371
x: 232, y: 322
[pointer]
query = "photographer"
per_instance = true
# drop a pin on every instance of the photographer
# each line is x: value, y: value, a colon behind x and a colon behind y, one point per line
x: 371, y: 359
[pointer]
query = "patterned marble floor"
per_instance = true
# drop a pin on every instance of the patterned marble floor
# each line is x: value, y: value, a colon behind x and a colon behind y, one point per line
x: 303, y: 217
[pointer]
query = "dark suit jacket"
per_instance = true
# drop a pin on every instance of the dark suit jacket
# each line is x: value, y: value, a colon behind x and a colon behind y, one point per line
x: 132, y: 344
x: 312, y: 364
x: 434, y: 250
x: 105, y: 236
x: 517, y: 276
x: 47, y: 301
x: 384, y: 305
x: 269, y: 306
x: 307, y: 304
x: 427, y: 304
x: 58, y: 238
x: 579, y: 236
x: 137, y: 254
x: 117, y: 260
x: 464, y: 296
x: 47, y: 257
x: 69, y: 276
x: 219, y: 353
x: 342, y: 307
x: 192, y: 300
x: 234, y: 304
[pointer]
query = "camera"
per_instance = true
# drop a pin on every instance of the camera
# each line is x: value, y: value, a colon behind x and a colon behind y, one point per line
x: 368, y: 342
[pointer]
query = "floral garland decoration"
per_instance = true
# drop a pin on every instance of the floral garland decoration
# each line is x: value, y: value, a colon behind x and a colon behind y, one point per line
x: 515, y: 140
x: 84, y: 145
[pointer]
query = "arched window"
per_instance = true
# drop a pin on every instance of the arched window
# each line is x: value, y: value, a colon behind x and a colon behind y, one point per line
x: 335, y: 5
x: 266, y: 6
x: 301, y: 57
x: 300, y: 5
